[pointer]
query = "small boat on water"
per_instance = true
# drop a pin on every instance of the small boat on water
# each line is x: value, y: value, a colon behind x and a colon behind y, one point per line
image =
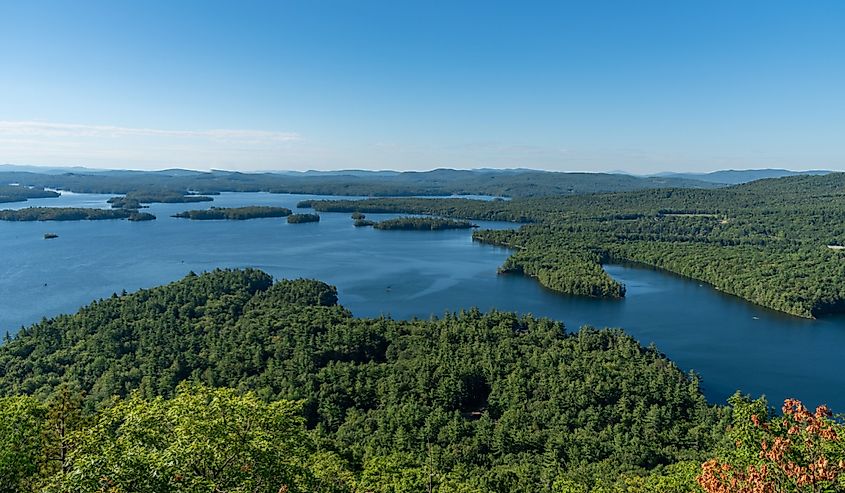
x: 50, y: 236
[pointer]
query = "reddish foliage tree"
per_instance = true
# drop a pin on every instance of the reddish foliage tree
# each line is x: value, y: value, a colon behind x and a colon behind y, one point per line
x: 799, y: 451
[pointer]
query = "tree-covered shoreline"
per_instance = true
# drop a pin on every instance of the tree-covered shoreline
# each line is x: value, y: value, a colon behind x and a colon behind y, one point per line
x: 774, y: 242
x: 17, y: 193
x: 422, y: 224
x: 767, y: 242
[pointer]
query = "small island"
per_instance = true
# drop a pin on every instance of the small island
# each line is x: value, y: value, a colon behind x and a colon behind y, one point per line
x: 359, y: 220
x: 50, y: 236
x: 423, y: 224
x: 305, y: 204
x: 235, y: 213
x: 125, y: 203
x: 71, y: 214
x: 140, y: 216
x: 303, y: 218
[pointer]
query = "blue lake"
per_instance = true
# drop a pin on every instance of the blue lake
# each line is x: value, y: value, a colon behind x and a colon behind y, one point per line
x: 731, y: 344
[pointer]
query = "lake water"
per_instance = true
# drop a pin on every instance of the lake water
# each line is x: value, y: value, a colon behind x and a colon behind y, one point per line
x: 731, y: 344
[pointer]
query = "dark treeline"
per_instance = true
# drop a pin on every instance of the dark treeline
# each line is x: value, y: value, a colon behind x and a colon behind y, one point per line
x: 422, y: 224
x: 495, y: 210
x: 514, y: 183
x: 326, y: 402
x: 13, y: 193
x: 303, y: 218
x: 766, y: 241
x: 235, y: 213
x: 135, y: 199
x: 71, y: 214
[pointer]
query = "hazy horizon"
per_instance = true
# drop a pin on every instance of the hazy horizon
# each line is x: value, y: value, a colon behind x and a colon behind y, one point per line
x: 388, y: 170
x: 644, y: 87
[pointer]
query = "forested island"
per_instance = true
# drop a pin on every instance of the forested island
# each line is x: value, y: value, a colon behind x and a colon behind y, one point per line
x: 235, y: 213
x: 456, y: 208
x: 71, y: 214
x: 17, y: 193
x: 133, y: 391
x: 411, y: 223
x: 765, y: 241
x: 422, y: 224
x: 303, y: 218
x: 135, y: 199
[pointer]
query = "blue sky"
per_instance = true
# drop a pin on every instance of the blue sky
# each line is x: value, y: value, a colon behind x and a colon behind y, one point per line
x: 639, y: 85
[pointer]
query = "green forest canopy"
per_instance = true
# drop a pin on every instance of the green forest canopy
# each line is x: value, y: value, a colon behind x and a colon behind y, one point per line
x: 489, y: 396
x: 228, y: 381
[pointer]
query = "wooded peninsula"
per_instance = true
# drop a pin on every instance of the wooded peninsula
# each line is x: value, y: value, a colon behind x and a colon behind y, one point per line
x: 768, y: 242
x: 17, y: 193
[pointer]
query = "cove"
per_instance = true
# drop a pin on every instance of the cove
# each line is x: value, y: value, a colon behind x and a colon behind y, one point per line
x: 731, y: 344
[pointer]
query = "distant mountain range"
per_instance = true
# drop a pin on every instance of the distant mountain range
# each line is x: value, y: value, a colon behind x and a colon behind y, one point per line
x: 499, y: 182
x: 737, y: 176
x: 438, y: 182
x: 47, y: 170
